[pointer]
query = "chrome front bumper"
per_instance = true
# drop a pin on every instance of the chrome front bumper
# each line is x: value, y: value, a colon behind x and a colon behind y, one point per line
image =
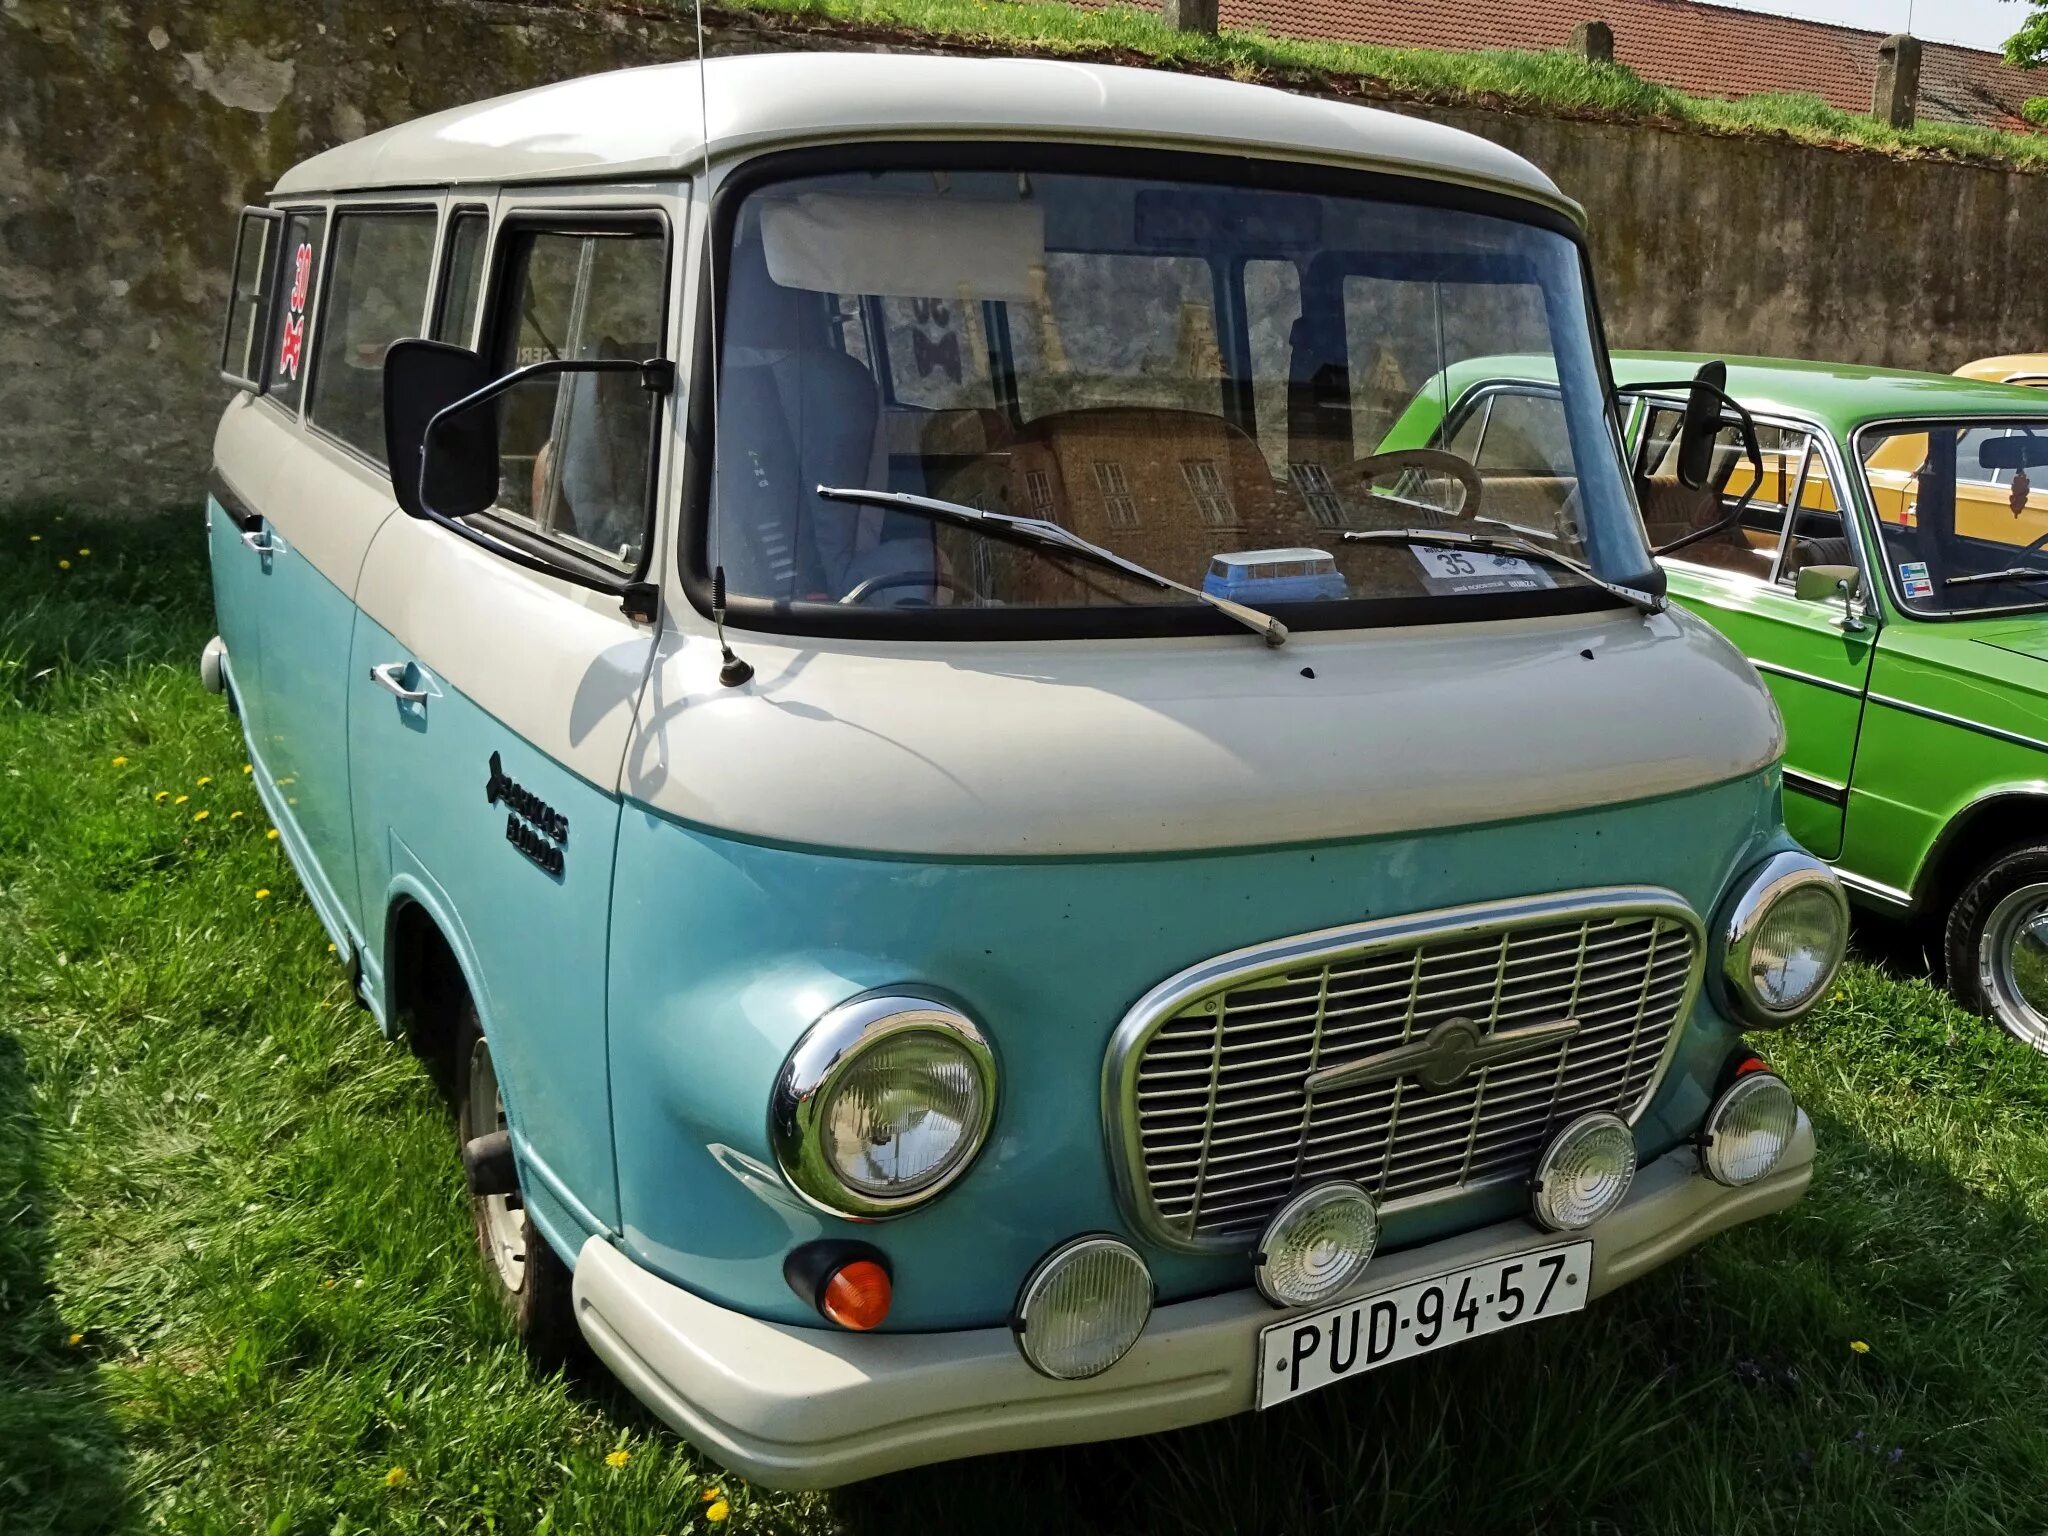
x: 795, y: 1407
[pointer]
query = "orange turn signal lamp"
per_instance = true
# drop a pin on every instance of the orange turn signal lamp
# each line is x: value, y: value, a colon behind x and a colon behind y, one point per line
x: 847, y: 1283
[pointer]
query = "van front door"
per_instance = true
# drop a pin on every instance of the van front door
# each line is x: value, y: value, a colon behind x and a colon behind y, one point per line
x: 490, y: 705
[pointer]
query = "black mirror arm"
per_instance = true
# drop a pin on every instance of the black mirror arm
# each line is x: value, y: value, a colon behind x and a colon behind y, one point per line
x: 656, y: 374
x: 1746, y: 424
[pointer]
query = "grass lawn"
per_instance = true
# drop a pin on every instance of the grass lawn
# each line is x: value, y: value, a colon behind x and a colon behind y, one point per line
x: 238, y: 1290
x: 1545, y: 82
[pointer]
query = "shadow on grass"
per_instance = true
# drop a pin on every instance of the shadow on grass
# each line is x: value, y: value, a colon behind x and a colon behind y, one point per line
x: 62, y: 1466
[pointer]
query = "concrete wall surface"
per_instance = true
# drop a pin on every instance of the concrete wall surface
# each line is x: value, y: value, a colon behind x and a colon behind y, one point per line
x: 131, y: 131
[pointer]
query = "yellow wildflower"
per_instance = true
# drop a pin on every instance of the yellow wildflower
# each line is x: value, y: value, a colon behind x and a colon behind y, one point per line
x: 248, y: 767
x: 327, y: 1284
x: 205, y: 779
x: 35, y: 538
x: 712, y: 1495
x: 234, y: 815
x: 1859, y: 1346
x: 162, y: 795
x: 718, y: 1511
x: 181, y: 799
x: 75, y: 1340
x: 201, y: 815
x: 618, y: 1459
x: 84, y: 552
x: 263, y: 893
x: 63, y: 565
x: 271, y: 833
x: 120, y: 762
x: 395, y: 1478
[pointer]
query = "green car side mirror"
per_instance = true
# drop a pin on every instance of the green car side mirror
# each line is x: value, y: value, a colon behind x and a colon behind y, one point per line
x: 1823, y: 583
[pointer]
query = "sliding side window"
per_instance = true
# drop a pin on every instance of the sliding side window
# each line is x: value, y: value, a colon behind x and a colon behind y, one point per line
x: 376, y: 294
x: 298, y: 267
x: 245, y: 337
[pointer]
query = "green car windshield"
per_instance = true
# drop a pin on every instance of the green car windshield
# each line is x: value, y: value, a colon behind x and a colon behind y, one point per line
x: 1962, y: 513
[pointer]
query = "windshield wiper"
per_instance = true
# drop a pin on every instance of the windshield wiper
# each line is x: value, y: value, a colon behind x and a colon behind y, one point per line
x: 1047, y: 535
x: 2010, y: 573
x: 1649, y: 602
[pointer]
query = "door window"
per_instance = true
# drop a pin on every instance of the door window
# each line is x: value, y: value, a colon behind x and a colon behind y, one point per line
x: 577, y: 449
x: 376, y: 294
x: 246, y: 336
x: 462, y: 276
x: 298, y: 266
x: 1796, y: 479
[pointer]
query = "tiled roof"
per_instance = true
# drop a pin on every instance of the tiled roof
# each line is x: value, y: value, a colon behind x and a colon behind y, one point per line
x: 1704, y: 49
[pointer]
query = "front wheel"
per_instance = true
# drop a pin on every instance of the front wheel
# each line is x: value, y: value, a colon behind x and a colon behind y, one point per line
x: 522, y: 1267
x: 1996, y: 943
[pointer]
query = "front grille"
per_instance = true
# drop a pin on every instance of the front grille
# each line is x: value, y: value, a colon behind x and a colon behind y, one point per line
x: 1210, y: 1112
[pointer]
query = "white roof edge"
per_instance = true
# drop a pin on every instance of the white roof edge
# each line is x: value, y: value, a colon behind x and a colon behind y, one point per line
x: 648, y: 123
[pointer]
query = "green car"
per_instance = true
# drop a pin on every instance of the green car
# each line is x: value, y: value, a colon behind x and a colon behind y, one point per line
x: 1877, y: 552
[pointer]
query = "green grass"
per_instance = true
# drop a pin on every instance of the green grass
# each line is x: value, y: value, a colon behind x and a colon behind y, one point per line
x: 1557, y: 83
x: 244, y: 1206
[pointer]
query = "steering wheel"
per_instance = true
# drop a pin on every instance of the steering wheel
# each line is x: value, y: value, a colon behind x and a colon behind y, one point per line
x: 1435, y: 460
x: 862, y: 591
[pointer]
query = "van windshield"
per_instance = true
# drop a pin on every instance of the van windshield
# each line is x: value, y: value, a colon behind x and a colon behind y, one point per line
x: 1191, y: 374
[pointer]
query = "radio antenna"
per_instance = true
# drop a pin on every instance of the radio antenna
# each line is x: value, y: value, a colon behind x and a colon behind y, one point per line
x: 733, y: 672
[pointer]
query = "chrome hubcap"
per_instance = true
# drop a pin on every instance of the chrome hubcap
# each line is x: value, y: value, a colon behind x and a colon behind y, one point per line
x: 504, y: 1216
x: 2012, y: 963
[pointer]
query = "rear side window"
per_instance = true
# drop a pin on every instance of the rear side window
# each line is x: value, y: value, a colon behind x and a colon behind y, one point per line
x: 578, y: 448
x: 245, y: 338
x: 376, y: 294
x: 298, y: 264
x: 462, y: 276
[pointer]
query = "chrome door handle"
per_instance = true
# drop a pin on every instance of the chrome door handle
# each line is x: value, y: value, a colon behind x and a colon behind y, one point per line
x: 386, y: 677
x: 259, y: 541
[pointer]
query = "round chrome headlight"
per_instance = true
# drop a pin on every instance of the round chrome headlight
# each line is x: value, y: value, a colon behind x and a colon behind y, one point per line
x: 1083, y: 1307
x: 1783, y: 939
x: 1748, y: 1129
x: 1584, y: 1173
x: 883, y: 1104
x: 1317, y: 1244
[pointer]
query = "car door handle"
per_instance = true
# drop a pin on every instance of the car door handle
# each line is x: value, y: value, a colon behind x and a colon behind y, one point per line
x: 386, y: 676
x: 262, y: 542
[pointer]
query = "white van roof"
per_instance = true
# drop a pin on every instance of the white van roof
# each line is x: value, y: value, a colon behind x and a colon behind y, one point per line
x: 646, y: 122
x: 1272, y: 556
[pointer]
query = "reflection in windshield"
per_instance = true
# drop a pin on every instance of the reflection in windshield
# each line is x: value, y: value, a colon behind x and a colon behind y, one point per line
x: 1186, y: 374
x: 1963, y: 514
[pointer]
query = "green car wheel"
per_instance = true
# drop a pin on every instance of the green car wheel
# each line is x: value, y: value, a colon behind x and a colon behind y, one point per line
x: 1996, y: 943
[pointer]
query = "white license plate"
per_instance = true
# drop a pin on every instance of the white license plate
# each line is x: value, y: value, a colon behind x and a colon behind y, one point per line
x: 1306, y: 1353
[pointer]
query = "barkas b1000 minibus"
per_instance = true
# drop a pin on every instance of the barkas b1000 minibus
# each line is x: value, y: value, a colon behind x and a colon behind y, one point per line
x: 716, y: 572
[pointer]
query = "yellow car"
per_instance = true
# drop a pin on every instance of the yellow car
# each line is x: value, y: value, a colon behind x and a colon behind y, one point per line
x: 2020, y: 368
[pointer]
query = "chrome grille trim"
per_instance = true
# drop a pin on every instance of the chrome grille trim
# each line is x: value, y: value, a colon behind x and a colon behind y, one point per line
x: 1208, y: 1125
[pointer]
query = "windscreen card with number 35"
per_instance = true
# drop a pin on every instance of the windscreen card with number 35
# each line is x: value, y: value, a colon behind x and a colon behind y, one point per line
x: 1447, y: 571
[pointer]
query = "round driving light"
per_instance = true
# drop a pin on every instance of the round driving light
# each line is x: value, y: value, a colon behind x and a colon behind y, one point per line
x: 1082, y: 1308
x: 1784, y: 939
x: 884, y: 1103
x: 1748, y: 1129
x: 1316, y: 1245
x: 1584, y: 1173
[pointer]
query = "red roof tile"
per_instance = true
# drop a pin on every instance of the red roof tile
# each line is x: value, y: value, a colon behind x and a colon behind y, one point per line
x: 1704, y: 49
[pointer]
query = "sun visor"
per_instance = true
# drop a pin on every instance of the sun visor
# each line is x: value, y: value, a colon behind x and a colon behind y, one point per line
x: 904, y: 247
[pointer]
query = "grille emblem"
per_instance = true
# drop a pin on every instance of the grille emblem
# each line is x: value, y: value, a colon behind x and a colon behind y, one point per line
x: 1444, y: 1057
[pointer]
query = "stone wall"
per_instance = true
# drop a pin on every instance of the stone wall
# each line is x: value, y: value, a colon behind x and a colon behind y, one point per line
x: 130, y: 132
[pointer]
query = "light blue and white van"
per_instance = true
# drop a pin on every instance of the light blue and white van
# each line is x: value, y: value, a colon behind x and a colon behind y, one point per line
x: 713, y: 581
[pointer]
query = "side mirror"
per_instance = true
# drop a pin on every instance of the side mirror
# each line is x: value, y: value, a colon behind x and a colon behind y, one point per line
x: 1824, y: 583
x: 460, y: 475
x: 1702, y: 425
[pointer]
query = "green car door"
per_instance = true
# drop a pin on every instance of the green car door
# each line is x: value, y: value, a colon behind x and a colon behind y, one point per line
x: 1815, y: 656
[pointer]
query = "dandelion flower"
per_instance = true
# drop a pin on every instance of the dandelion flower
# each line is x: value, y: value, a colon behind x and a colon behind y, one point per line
x: 263, y: 893
x: 63, y: 565
x: 162, y: 795
x: 618, y: 1459
x: 35, y: 538
x: 327, y: 1284
x: 201, y: 815
x: 1859, y: 1346
x: 181, y: 799
x: 712, y: 1495
x: 248, y: 767
x: 272, y: 833
x: 205, y: 779
x: 75, y: 1340
x: 395, y: 1478
x: 718, y: 1511
x: 120, y: 762
x: 234, y: 815
x: 83, y: 553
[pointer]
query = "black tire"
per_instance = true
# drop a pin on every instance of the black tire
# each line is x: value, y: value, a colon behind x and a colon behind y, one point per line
x: 1976, y: 948
x: 537, y: 1298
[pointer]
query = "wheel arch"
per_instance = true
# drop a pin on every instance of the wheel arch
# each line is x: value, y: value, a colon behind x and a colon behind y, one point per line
x: 1995, y: 821
x: 428, y: 966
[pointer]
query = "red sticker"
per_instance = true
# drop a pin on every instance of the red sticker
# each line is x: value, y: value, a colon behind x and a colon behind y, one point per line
x: 292, y: 340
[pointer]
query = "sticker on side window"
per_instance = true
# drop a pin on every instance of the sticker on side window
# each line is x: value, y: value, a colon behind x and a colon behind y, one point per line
x: 292, y: 333
x: 1447, y: 571
x: 1913, y: 579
